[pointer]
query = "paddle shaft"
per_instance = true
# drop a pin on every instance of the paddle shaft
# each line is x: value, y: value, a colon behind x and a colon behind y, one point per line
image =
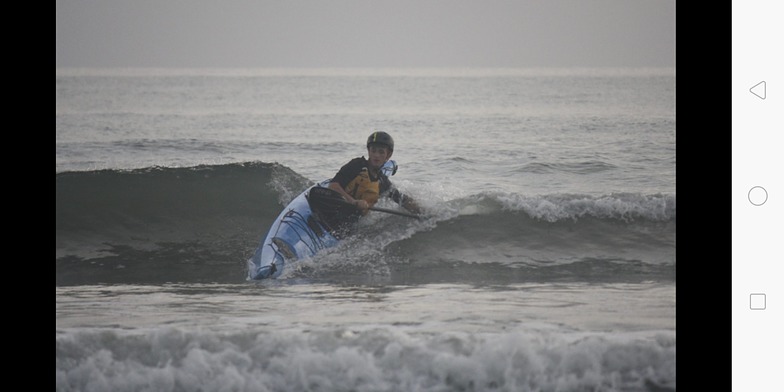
x: 331, y: 196
x: 395, y: 212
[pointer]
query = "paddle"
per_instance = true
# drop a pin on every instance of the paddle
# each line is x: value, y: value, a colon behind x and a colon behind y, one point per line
x: 326, y: 196
x: 395, y: 212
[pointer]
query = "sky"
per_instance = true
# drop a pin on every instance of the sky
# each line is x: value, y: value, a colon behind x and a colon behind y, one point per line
x: 364, y: 33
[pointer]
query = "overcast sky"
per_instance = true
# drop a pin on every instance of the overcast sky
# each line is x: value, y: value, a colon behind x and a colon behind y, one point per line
x: 365, y: 33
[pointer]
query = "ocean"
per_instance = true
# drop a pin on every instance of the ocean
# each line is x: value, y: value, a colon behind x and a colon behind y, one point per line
x: 546, y: 261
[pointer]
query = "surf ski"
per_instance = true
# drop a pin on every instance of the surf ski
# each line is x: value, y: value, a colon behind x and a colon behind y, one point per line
x: 302, y: 229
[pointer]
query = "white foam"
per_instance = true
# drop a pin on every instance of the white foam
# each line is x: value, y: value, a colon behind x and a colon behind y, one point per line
x: 362, y: 360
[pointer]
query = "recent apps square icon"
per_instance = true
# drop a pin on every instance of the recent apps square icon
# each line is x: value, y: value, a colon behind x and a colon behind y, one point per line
x: 757, y: 301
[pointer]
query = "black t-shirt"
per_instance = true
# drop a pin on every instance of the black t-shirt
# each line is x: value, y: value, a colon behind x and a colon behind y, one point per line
x: 356, y: 180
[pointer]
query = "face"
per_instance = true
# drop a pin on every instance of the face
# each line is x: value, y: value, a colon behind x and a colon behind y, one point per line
x: 378, y: 155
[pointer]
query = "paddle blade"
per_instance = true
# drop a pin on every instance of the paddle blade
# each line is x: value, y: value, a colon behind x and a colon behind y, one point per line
x: 390, y: 168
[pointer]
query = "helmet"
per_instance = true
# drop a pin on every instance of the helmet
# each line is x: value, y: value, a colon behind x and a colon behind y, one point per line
x: 381, y: 138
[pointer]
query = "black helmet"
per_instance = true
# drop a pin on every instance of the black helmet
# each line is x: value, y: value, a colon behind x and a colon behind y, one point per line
x: 381, y: 138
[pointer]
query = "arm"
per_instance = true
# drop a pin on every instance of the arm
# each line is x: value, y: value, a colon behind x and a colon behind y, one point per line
x: 344, y: 175
x: 404, y: 201
x: 409, y: 204
x: 335, y: 186
x: 360, y: 204
x: 412, y: 206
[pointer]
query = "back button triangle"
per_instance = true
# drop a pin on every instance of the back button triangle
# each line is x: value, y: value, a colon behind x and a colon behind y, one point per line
x: 759, y: 89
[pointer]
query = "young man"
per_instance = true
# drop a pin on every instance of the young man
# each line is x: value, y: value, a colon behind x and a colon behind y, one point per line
x: 361, y: 181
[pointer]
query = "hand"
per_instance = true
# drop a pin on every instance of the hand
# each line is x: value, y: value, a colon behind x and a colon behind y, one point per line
x: 362, y: 206
x: 412, y: 206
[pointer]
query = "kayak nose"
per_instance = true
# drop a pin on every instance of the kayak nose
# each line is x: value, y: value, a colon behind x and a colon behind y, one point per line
x: 257, y: 272
x: 271, y: 270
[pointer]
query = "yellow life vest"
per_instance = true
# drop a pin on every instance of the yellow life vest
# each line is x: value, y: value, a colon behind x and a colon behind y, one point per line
x: 363, y: 188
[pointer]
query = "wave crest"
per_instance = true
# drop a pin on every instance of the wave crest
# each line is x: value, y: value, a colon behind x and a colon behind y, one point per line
x: 625, y: 207
x: 200, y: 224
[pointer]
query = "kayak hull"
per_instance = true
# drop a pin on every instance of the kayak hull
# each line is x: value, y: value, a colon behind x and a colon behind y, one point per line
x: 296, y: 234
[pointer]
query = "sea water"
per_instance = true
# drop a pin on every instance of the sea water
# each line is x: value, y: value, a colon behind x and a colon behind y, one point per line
x: 546, y: 263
